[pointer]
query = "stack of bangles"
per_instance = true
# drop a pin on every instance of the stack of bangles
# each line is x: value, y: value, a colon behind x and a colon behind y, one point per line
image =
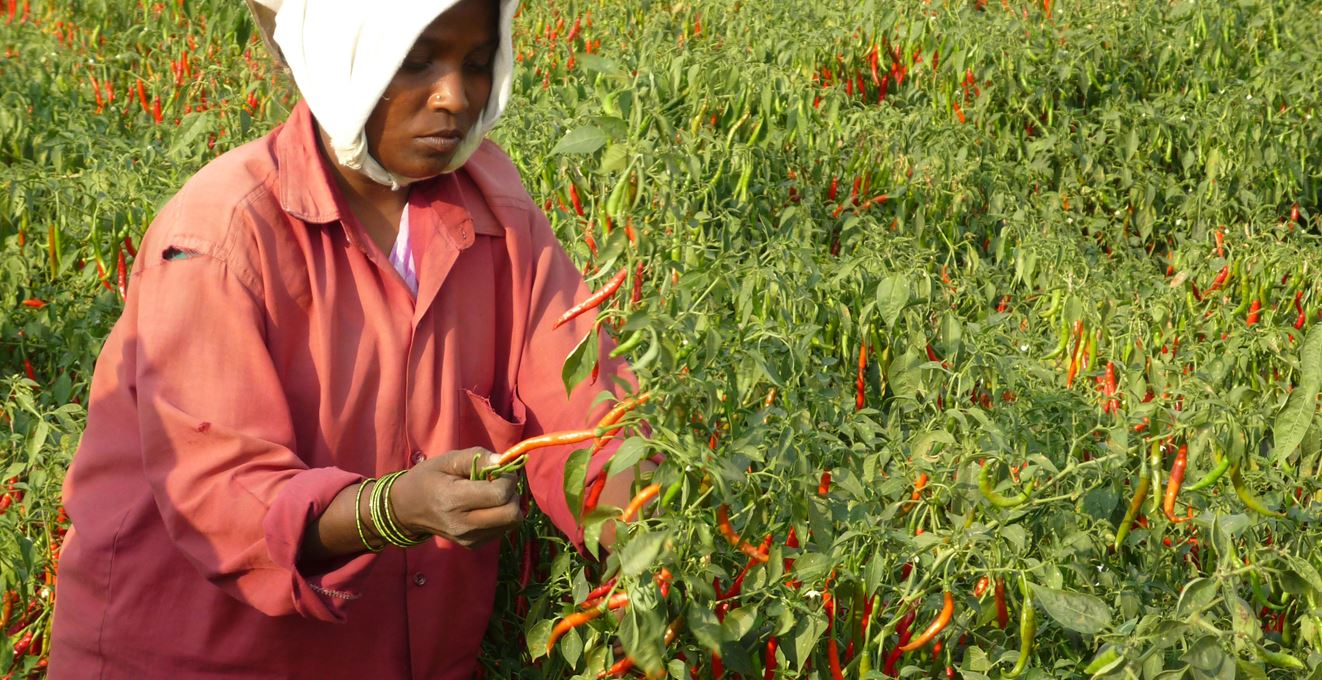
x: 383, y: 520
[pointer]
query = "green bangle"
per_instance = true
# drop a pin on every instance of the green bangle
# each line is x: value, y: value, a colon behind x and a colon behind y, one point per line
x: 358, y: 517
x: 399, y: 531
x: 384, y: 518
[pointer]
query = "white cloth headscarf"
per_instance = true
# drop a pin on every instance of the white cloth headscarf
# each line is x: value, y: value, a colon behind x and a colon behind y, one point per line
x: 343, y: 54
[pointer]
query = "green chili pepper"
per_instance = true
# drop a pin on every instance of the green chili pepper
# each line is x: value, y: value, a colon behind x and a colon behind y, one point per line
x: 1139, y: 495
x: 1280, y: 659
x: 1214, y: 475
x: 1262, y: 598
x: 673, y: 491
x: 989, y: 492
x: 1107, y: 661
x: 1027, y: 630
x: 1247, y: 497
x: 630, y: 344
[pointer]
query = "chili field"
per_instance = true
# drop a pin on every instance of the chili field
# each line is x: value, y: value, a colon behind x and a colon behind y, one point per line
x: 981, y: 338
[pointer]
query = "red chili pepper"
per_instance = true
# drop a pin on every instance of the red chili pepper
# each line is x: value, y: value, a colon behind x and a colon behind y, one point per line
x: 1294, y: 213
x: 593, y: 495
x: 824, y: 486
x: 769, y: 665
x: 959, y: 113
x: 128, y: 245
x: 24, y: 643
x: 1002, y: 613
x: 835, y: 183
x: 122, y: 275
x: 1220, y: 242
x: 1220, y: 279
x: 1255, y: 311
x: 861, y: 383
x: 595, y: 299
x: 1302, y: 316
x: 27, y: 368
x: 904, y: 632
x: 34, y: 303
x: 597, y: 593
x: 142, y: 96
x: 637, y: 295
x: 573, y: 198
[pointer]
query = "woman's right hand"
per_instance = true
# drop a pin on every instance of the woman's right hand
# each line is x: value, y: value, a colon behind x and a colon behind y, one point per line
x: 437, y: 497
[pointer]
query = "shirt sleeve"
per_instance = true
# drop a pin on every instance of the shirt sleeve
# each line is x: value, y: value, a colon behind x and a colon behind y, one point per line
x: 557, y: 286
x: 218, y: 441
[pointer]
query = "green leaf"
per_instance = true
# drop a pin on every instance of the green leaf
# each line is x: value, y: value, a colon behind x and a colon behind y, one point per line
x: 951, y: 335
x: 1243, y: 621
x: 1293, y: 421
x: 640, y: 553
x: 537, y: 636
x: 571, y: 647
x: 576, y: 475
x: 705, y: 628
x: 807, y: 632
x: 892, y: 296
x: 1207, y: 660
x: 1196, y: 597
x: 629, y: 453
x: 579, y: 363
x: 38, y: 438
x: 740, y: 621
x: 1079, y: 612
x: 586, y: 139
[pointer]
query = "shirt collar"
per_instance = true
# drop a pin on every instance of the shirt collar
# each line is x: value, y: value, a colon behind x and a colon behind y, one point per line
x: 303, y: 173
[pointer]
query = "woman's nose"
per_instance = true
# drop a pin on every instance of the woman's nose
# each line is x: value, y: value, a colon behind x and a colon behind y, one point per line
x: 448, y: 92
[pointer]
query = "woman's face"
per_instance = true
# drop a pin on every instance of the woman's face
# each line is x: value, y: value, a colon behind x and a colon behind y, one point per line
x: 438, y: 93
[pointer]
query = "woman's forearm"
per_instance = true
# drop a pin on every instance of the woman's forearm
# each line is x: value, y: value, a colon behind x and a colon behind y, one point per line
x: 335, y: 532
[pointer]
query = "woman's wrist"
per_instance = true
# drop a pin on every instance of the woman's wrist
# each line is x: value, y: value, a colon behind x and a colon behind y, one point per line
x: 404, y: 507
x: 383, y: 514
x: 367, y: 532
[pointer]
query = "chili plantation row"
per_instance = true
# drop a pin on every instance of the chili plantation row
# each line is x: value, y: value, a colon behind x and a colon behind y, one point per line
x: 981, y: 337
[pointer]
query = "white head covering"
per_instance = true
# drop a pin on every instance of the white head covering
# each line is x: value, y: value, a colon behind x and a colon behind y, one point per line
x: 343, y: 54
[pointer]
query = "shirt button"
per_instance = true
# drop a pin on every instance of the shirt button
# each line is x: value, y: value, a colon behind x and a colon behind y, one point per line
x: 419, y: 580
x: 418, y: 457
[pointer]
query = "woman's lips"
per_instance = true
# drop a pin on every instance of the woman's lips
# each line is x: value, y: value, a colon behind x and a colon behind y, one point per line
x: 441, y: 143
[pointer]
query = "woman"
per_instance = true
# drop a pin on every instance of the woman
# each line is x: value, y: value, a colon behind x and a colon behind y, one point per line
x: 368, y: 289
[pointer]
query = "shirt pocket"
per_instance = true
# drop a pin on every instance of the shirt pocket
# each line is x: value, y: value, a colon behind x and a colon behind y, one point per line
x: 481, y: 425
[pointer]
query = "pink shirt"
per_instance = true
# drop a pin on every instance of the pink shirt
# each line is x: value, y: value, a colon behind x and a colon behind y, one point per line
x: 269, y: 356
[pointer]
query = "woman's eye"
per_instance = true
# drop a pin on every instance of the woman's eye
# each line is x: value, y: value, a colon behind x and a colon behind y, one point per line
x: 411, y: 65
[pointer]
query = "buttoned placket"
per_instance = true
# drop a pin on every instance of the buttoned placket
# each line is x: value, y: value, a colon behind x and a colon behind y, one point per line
x: 441, y: 231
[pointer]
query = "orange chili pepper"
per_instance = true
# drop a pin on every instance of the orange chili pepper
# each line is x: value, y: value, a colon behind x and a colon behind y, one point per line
x: 938, y: 625
x: 1173, y: 486
x: 723, y: 523
x: 608, y: 422
x: 577, y: 619
x: 648, y: 493
x: 554, y: 439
